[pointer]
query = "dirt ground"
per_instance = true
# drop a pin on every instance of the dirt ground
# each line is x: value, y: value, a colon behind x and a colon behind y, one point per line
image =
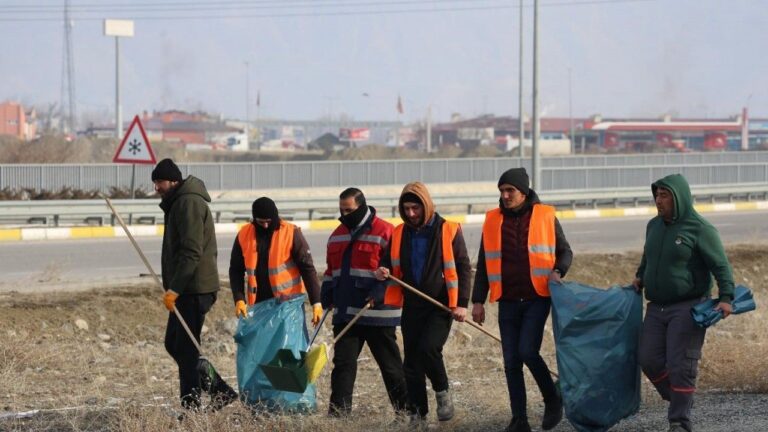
x: 95, y: 360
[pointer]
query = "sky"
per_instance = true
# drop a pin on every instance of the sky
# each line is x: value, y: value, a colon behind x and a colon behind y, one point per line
x: 308, y: 59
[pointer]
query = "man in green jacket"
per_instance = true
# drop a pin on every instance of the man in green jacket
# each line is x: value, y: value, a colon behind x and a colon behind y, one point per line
x: 682, y: 252
x: 190, y: 274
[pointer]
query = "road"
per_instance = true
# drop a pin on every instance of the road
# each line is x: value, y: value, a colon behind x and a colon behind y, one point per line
x: 25, y: 265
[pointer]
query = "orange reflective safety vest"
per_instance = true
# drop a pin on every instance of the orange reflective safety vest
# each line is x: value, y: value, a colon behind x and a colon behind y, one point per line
x: 394, y: 294
x: 541, y: 248
x: 284, y: 275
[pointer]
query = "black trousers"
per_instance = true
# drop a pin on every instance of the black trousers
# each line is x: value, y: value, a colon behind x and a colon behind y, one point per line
x: 178, y: 344
x: 670, y: 349
x: 383, y: 345
x: 521, y: 324
x: 425, y: 331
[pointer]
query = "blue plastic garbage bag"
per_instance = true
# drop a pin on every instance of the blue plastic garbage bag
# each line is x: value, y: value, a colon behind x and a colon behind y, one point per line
x: 269, y: 326
x: 597, y: 335
x: 705, y: 315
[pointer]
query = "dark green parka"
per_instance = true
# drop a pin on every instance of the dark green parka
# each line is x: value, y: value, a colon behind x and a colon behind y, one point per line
x: 680, y: 257
x: 189, y: 241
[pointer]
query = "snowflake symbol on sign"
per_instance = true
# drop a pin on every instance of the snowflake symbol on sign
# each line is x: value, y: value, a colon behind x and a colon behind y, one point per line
x: 134, y: 147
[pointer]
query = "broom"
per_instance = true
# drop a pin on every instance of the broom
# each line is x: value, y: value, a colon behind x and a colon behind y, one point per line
x: 447, y: 309
x: 210, y: 380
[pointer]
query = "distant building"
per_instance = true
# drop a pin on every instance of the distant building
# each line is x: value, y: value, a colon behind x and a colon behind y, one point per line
x: 664, y: 134
x: 14, y: 120
x: 192, y: 130
x: 504, y: 133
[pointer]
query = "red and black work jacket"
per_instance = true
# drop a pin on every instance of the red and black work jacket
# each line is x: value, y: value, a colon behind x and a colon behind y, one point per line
x: 349, y: 281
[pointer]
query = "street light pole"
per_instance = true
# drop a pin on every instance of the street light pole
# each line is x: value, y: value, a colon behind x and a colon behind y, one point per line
x: 118, y: 29
x: 118, y: 107
x: 520, y: 124
x: 536, y: 157
x: 570, y: 112
x: 247, y: 105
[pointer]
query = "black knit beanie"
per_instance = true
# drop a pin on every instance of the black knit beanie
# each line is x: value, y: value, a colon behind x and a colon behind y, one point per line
x: 166, y: 170
x: 411, y: 197
x: 264, y: 208
x: 516, y: 177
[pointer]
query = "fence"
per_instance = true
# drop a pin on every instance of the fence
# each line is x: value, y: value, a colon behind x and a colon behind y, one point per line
x: 557, y: 172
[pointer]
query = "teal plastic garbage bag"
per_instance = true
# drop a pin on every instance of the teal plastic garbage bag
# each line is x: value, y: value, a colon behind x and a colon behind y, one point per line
x: 705, y: 315
x: 597, y: 335
x: 269, y: 326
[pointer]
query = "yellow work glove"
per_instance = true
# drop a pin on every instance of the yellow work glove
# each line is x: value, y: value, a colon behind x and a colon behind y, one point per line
x: 317, y: 313
x: 169, y: 299
x: 240, y: 309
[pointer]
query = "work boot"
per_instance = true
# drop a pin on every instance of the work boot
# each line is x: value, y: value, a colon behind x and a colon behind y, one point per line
x: 212, y: 383
x: 191, y: 401
x: 417, y: 422
x: 553, y: 412
x: 444, y: 405
x: 677, y: 427
x: 518, y: 424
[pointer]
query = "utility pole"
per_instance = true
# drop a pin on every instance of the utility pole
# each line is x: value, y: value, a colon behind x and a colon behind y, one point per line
x: 69, y: 118
x: 536, y: 157
x: 247, y: 105
x: 118, y: 29
x: 520, y: 124
x: 429, y: 129
x: 570, y: 113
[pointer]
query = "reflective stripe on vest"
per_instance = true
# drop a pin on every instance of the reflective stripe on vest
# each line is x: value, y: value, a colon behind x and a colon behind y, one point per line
x: 394, y: 293
x: 284, y: 275
x: 541, y: 248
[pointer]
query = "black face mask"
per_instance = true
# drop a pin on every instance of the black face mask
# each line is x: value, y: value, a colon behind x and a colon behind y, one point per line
x: 260, y: 230
x: 352, y: 220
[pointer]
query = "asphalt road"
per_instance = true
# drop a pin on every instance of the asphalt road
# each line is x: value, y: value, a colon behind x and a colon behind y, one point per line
x: 25, y: 265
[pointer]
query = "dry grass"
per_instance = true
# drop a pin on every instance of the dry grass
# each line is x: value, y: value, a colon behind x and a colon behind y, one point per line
x: 116, y: 375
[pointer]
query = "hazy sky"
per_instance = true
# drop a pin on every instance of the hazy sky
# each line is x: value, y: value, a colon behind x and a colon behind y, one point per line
x: 698, y: 58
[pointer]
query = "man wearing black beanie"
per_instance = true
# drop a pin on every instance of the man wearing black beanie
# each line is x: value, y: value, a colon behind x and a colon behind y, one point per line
x: 268, y: 252
x: 189, y: 270
x: 522, y: 248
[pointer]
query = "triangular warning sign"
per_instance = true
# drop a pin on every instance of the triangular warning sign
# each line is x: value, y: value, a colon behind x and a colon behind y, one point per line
x: 135, y: 148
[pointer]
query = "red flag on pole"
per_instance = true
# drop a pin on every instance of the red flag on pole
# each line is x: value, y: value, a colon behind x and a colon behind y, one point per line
x: 399, y: 105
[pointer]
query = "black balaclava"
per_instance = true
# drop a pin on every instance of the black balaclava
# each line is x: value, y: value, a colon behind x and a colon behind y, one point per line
x: 352, y: 220
x: 265, y: 208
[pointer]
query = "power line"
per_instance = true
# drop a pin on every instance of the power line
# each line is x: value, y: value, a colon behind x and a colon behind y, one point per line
x: 297, y: 14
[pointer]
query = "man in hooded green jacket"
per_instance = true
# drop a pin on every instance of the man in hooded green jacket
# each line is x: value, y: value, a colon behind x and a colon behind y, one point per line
x: 682, y: 252
x: 189, y: 269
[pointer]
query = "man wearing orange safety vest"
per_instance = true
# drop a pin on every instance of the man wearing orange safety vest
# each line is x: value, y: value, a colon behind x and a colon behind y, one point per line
x: 274, y: 257
x: 428, y: 253
x: 522, y: 248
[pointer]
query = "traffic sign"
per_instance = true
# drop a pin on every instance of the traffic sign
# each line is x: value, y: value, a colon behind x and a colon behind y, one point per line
x: 135, y: 148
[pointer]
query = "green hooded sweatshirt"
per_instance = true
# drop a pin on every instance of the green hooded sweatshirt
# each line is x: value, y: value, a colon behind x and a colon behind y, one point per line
x: 189, y: 241
x: 681, y: 256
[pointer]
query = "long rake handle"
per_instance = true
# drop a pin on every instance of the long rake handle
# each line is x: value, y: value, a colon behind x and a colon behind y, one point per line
x: 154, y: 275
x: 441, y: 306
x: 352, y: 322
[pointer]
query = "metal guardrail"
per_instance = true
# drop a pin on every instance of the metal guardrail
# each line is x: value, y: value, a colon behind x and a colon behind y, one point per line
x: 95, y: 212
x: 269, y: 175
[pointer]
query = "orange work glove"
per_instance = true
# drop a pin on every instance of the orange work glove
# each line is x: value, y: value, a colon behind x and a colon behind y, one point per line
x: 317, y: 313
x: 169, y: 299
x: 240, y: 309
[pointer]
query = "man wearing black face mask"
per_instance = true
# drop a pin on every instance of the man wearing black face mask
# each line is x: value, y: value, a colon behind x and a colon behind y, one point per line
x: 354, y: 251
x: 269, y: 255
